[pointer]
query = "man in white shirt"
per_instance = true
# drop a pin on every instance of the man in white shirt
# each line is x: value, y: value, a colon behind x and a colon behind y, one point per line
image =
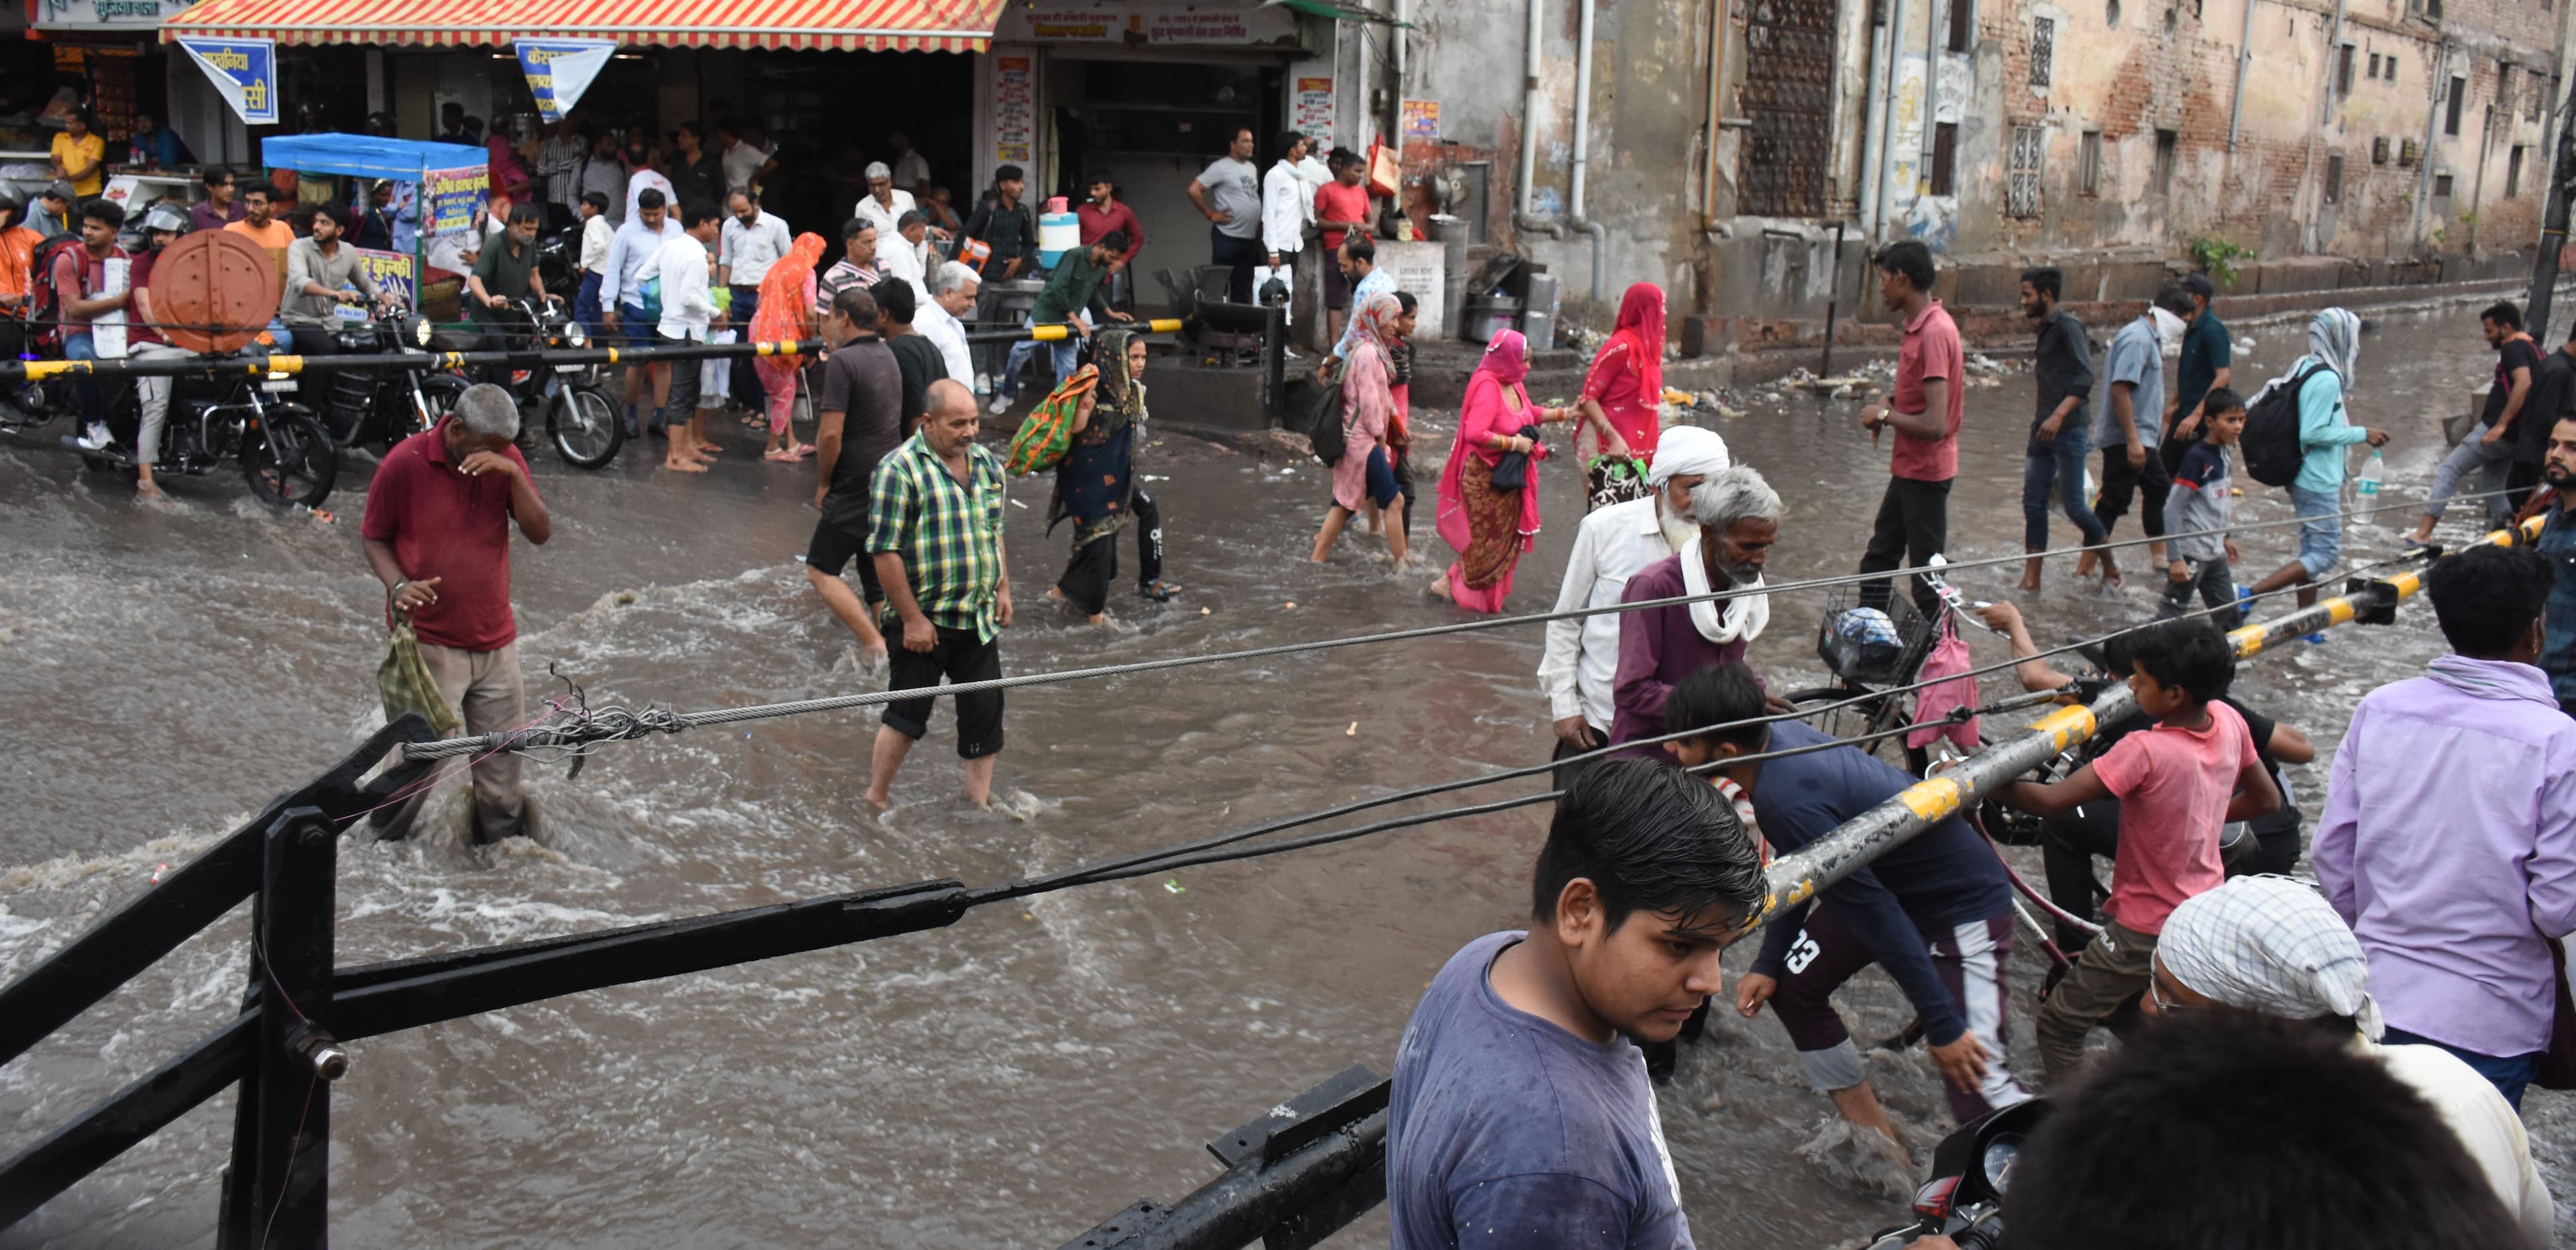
x: 1581, y: 662
x: 1286, y: 202
x: 619, y: 300
x: 910, y: 170
x: 645, y: 177
x: 903, y: 256
x: 596, y: 236
x: 750, y: 243
x: 884, y: 205
x: 747, y: 160
x: 939, y: 317
x: 688, y: 311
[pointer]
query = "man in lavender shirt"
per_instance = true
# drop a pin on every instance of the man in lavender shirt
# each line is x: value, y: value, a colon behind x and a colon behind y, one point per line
x: 2449, y: 834
x: 1739, y: 518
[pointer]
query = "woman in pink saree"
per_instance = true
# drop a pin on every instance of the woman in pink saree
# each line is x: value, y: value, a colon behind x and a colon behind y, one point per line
x: 1365, y: 474
x: 1490, y: 525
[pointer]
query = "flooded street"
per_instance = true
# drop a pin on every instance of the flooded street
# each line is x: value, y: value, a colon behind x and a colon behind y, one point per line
x: 1016, y: 1078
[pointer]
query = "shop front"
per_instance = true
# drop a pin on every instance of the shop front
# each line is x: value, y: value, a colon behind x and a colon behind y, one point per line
x: 1149, y: 92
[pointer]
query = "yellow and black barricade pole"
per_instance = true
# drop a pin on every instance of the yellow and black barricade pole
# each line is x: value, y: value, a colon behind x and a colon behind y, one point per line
x: 1794, y: 878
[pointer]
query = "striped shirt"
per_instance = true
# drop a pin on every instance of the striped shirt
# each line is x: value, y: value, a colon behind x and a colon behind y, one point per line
x: 950, y: 535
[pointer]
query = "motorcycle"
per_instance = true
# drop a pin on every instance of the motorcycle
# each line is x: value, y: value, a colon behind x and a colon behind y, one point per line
x: 285, y: 451
x: 379, y: 409
x: 581, y: 419
x: 1970, y: 1170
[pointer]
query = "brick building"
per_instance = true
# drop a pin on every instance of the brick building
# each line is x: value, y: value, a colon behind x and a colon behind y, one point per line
x: 2109, y: 129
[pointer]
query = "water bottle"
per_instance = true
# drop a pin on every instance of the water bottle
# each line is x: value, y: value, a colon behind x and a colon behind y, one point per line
x: 2365, y: 488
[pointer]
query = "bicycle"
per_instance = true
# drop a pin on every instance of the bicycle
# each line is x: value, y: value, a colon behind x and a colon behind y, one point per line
x: 1872, y: 664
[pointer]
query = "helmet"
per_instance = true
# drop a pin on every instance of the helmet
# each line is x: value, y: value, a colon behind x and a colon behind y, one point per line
x: 164, y: 217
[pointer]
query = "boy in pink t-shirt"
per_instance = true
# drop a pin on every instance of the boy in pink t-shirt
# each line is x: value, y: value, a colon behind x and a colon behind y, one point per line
x: 2178, y: 783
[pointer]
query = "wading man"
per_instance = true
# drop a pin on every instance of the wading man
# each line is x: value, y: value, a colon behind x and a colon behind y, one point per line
x: 437, y: 535
x: 1924, y: 410
x: 935, y: 530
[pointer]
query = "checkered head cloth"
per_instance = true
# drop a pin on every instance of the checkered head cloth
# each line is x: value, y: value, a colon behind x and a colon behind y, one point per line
x: 2273, y: 945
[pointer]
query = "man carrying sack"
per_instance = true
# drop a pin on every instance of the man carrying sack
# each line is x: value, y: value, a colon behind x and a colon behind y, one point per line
x: 437, y: 533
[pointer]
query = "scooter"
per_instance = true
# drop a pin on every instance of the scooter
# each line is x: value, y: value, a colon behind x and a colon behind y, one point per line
x: 1970, y: 1170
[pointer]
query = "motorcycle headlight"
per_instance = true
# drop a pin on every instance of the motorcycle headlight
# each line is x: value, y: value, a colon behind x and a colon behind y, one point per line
x: 574, y: 335
x: 420, y: 331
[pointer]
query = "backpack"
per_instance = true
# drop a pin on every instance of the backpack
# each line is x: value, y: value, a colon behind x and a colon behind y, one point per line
x: 44, y: 303
x: 2271, y: 438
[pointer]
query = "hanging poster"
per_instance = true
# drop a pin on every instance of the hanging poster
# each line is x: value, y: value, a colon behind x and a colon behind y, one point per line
x: 393, y: 273
x: 244, y: 72
x: 1422, y: 119
x: 450, y: 196
x: 1314, y: 107
x: 559, y: 70
x: 1014, y: 108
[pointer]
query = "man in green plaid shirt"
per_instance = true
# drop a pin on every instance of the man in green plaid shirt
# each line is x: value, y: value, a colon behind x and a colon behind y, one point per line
x: 935, y: 532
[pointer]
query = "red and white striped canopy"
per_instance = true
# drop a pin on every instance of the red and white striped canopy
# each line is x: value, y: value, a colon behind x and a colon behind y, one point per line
x: 836, y: 25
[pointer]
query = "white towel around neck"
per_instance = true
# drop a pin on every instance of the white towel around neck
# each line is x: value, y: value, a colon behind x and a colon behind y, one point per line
x: 1722, y: 621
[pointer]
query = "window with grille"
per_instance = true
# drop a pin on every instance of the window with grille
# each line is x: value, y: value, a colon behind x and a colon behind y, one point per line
x: 2441, y: 186
x: 2513, y: 173
x: 2334, y: 179
x: 2374, y: 66
x: 1945, y: 155
x: 2408, y: 152
x: 2043, y: 50
x: 2343, y: 70
x: 2379, y: 150
x: 2088, y: 163
x: 2021, y: 180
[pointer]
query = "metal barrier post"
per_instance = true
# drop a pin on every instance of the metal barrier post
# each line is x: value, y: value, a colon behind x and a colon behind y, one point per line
x: 284, y: 1116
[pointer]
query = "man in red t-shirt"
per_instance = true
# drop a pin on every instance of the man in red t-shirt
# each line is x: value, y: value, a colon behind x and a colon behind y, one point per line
x: 162, y: 225
x: 1340, y: 206
x: 437, y: 532
x: 1101, y: 216
x: 1914, y: 515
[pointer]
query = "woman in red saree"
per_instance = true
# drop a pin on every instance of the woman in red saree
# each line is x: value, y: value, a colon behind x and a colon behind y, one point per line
x: 1489, y: 526
x: 1624, y: 390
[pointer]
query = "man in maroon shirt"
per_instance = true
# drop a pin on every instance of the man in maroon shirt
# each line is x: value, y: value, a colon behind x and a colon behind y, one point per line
x: 1739, y: 518
x: 437, y: 532
x: 1930, y: 396
x: 1102, y: 215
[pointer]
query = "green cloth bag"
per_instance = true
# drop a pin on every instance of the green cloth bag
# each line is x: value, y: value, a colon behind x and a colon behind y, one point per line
x: 404, y: 682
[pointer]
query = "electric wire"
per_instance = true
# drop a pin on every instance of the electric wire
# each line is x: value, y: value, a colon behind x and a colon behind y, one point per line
x: 618, y: 724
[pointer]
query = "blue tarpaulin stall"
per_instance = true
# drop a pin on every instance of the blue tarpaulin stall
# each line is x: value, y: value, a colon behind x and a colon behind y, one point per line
x: 449, y: 183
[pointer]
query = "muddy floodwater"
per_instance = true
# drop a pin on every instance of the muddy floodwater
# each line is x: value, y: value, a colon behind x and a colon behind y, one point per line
x: 1016, y: 1078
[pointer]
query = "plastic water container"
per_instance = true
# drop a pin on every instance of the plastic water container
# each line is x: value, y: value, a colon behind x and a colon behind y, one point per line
x: 2365, y: 488
x: 1059, y: 232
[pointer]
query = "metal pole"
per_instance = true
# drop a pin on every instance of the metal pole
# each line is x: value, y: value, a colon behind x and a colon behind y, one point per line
x: 1833, y: 304
x: 1887, y: 114
x: 2424, y: 154
x: 285, y: 1110
x: 2553, y: 224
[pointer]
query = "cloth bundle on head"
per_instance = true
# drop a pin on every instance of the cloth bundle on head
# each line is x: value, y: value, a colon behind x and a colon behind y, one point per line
x: 1687, y: 451
x: 2273, y: 945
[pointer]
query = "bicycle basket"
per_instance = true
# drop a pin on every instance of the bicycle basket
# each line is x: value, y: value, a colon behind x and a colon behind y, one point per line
x: 1872, y: 645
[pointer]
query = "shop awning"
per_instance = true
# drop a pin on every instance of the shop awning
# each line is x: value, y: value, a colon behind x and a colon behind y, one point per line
x: 834, y: 25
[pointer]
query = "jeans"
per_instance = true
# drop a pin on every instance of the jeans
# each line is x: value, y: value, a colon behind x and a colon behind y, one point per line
x: 79, y: 346
x: 2061, y: 461
x: 2493, y: 462
x: 1063, y: 356
x: 1913, y: 523
x: 2320, y: 530
x: 2119, y: 480
x: 746, y: 374
x: 2510, y: 1075
x: 586, y: 308
x: 2217, y: 586
x: 1240, y: 255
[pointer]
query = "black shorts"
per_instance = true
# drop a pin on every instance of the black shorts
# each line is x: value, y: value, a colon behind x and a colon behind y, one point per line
x: 832, y: 550
x: 959, y: 657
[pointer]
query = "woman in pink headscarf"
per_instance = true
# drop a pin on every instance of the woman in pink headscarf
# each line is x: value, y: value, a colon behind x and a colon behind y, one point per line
x: 1492, y: 525
x: 786, y: 316
x: 1625, y: 387
x: 1365, y: 474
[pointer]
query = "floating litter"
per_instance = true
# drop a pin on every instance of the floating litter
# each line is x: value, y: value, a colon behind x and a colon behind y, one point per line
x: 1353, y: 731
x: 1174, y: 885
x: 1203, y: 611
x: 156, y: 873
x: 1291, y: 605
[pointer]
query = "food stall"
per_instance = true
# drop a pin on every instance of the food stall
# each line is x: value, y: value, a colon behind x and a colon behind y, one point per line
x: 439, y: 190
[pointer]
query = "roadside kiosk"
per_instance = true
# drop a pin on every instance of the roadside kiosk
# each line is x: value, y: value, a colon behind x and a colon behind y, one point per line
x: 438, y: 190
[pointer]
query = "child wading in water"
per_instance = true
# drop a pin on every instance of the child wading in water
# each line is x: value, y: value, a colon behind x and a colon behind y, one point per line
x: 2204, y: 499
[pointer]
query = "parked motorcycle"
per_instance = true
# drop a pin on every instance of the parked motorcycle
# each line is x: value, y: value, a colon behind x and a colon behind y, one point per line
x: 377, y: 409
x: 283, y: 448
x: 581, y: 418
x: 1970, y: 1169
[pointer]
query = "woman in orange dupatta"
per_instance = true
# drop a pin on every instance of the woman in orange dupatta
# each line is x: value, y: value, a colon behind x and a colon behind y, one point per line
x: 1490, y: 526
x: 786, y: 315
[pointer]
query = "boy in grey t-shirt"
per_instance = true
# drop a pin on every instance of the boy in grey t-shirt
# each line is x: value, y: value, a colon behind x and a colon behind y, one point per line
x: 1521, y: 1114
x: 2203, y: 498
